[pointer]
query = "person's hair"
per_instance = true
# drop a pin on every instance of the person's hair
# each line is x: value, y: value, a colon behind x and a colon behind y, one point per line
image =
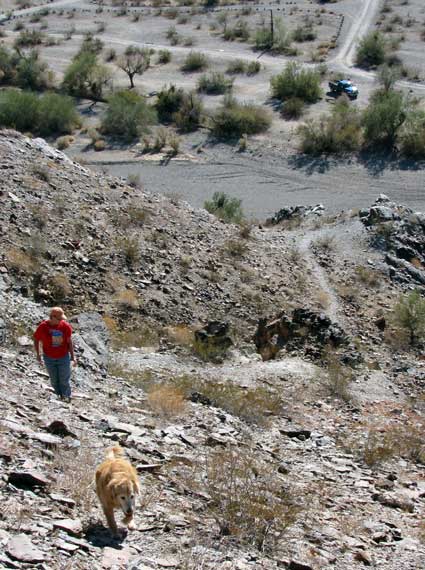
x: 57, y: 311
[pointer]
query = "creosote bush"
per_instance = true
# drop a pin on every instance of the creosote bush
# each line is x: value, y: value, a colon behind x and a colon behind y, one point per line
x: 234, y: 119
x: 294, y: 81
x: 224, y: 207
x: 44, y: 115
x: 127, y: 115
x: 195, y: 61
x: 214, y: 84
x: 372, y: 50
x: 248, y: 498
x: 409, y: 314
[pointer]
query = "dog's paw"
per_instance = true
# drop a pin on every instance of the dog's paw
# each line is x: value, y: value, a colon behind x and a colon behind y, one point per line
x: 131, y: 525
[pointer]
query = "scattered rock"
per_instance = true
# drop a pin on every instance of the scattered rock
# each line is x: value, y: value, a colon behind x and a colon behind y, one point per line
x: 21, y: 548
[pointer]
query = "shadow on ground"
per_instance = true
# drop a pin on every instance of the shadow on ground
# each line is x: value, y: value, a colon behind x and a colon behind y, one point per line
x: 99, y: 536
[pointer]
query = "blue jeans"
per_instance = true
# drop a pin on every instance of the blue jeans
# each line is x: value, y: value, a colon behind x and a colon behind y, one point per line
x: 59, y: 370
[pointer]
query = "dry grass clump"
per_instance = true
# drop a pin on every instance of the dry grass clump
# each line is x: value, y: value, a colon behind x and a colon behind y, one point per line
x: 367, y: 276
x: 137, y: 336
x: 126, y: 299
x: 181, y: 335
x: 130, y: 248
x: 392, y: 441
x: 167, y: 401
x: 235, y: 248
x: 252, y: 405
x: 74, y: 472
x: 60, y: 287
x: 248, y: 498
x: 336, y: 379
x: 20, y: 261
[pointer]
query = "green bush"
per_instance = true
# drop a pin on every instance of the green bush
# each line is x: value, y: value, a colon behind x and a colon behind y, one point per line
x: 293, y: 108
x: 297, y: 82
x: 338, y: 133
x: 239, y: 32
x: 372, y: 50
x: 253, y: 67
x: 195, y: 61
x: 29, y: 38
x: 164, y: 56
x: 226, y: 208
x: 412, y: 139
x: 127, y: 115
x: 233, y: 119
x: 49, y: 114
x: 214, y: 84
x: 383, y: 118
x: 86, y: 77
x: 188, y: 117
x: 279, y: 42
x: 304, y: 34
x: 169, y: 101
x: 32, y: 73
x: 409, y: 314
x: 236, y: 66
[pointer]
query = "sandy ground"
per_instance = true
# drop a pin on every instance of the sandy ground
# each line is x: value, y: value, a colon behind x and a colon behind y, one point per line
x: 272, y: 175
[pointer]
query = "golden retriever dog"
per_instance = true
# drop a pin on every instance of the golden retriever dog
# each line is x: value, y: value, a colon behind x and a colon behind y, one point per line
x: 117, y: 485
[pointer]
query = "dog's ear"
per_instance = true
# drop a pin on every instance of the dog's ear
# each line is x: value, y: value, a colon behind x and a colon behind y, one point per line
x: 111, y: 487
x: 136, y: 485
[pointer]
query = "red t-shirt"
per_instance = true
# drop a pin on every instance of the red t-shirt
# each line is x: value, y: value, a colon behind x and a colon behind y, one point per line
x: 55, y: 339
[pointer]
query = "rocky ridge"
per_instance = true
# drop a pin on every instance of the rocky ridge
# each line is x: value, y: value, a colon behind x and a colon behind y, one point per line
x: 343, y: 469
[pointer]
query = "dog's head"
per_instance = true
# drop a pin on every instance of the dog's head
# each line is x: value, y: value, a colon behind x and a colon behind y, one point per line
x: 124, y: 493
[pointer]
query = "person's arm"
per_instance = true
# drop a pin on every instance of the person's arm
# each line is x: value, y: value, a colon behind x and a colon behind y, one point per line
x: 37, y: 349
x: 71, y: 351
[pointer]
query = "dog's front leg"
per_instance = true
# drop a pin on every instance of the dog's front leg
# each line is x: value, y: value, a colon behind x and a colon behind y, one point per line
x: 109, y: 514
x: 129, y: 522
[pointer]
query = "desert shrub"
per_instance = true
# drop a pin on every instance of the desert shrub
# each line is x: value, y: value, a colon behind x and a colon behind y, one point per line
x: 214, y: 84
x: 134, y: 61
x: 99, y: 145
x: 189, y: 115
x: 386, y: 113
x: 64, y: 142
x: 338, y: 133
x: 60, y: 287
x: 91, y: 44
x: 248, y: 498
x: 337, y: 378
x: 164, y: 56
x: 225, y: 208
x: 32, y: 73
x: 279, y: 42
x: 234, y: 119
x: 253, y: 68
x: 371, y: 51
x: 110, y: 54
x: 235, y: 248
x: 20, y: 262
x: 86, y: 77
x: 130, y: 248
x: 127, y: 115
x: 297, y: 82
x: 126, y: 299
x: 166, y: 400
x: 195, y: 61
x: 393, y: 441
x: 387, y: 76
x: 367, y: 276
x: 236, y: 66
x: 169, y: 101
x: 29, y: 38
x: 293, y: 108
x: 409, y: 314
x: 57, y: 114
x: 240, y: 31
x: 304, y: 34
x: 412, y: 138
x: 25, y: 111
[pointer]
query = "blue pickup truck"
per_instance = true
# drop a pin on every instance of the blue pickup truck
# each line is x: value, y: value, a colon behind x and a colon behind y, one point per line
x: 344, y: 86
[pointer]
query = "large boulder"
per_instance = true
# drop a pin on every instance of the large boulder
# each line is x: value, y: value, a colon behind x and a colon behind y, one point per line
x: 91, y: 340
x: 306, y: 330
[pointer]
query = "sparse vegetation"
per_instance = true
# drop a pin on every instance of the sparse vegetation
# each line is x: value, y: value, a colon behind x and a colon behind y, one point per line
x: 372, y: 50
x: 234, y: 119
x: 195, y: 61
x: 127, y: 115
x: 296, y: 82
x: 224, y: 207
x: 409, y: 314
x: 214, y: 84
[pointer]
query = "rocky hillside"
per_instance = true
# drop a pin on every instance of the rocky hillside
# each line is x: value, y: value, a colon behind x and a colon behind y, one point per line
x: 309, y: 459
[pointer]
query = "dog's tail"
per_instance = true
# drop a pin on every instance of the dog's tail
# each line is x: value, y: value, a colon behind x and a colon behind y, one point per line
x: 114, y: 452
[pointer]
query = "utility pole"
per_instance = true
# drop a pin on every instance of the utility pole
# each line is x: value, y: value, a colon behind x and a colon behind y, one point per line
x: 271, y: 29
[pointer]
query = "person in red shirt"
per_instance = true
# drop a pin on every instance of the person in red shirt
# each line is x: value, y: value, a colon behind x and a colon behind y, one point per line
x: 54, y: 334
